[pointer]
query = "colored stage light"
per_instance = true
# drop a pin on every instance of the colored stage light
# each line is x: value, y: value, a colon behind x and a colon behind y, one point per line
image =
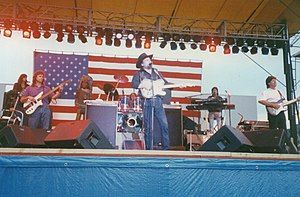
x: 167, y: 37
x: 212, y: 47
x: 197, y: 38
x: 47, y: 34
x: 193, y: 46
x: 82, y: 38
x: 69, y: 28
x: 147, y: 44
x: 176, y: 37
x: 182, y: 46
x: 235, y: 49
x: 253, y: 50
x: 265, y: 50
x: 119, y: 34
x: 71, y: 38
x: 117, y: 42
x: 274, y: 50
x: 186, y: 38
x: 7, y: 32
x: 36, y: 34
x: 26, y: 34
x: 138, y: 43
x: 98, y: 40
x: 203, y: 47
x: 245, y: 49
x: 173, y: 46
x: 60, y: 36
x: 226, y: 49
x: 128, y: 43
x: 130, y: 35
x: 163, y: 44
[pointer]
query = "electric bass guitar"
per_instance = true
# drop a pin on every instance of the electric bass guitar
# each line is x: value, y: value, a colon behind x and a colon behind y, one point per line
x: 31, y: 106
x: 282, y: 105
x: 151, y: 88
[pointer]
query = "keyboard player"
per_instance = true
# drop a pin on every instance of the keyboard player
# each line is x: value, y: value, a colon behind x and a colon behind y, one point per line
x: 215, y: 112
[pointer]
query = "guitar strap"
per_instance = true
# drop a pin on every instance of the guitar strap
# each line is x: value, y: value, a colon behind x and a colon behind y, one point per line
x: 280, y: 94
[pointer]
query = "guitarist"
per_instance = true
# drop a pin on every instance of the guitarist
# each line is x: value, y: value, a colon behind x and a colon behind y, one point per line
x: 269, y: 97
x: 41, y: 117
x: 151, y: 105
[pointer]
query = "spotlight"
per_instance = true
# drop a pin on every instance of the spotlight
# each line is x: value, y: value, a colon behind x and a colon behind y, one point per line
x: 250, y: 42
x: 71, y: 38
x: 230, y: 41
x: 47, y: 34
x: 260, y: 43
x: 119, y: 34
x: 193, y: 46
x: 69, y: 28
x: 58, y: 27
x: 82, y: 38
x: 212, y: 47
x: 117, y: 42
x: 26, y: 34
x: 253, y: 50
x: 186, y: 38
x: 207, y: 40
x: 167, y: 37
x: 270, y: 43
x: 217, y: 40
x: 197, y: 38
x: 98, y: 40
x: 7, y: 33
x: 226, y: 49
x: 176, y: 37
x: 274, y: 50
x: 173, y: 46
x: 128, y: 43
x: 46, y: 27
x: 182, y: 46
x: 235, y: 49
x: 60, y: 36
x: 240, y: 42
x: 108, y: 37
x: 147, y: 44
x: 265, y: 50
x: 148, y: 36
x: 130, y: 35
x: 36, y: 34
x: 203, y: 47
x: 138, y: 43
x: 163, y: 44
x: 80, y: 30
x: 245, y: 49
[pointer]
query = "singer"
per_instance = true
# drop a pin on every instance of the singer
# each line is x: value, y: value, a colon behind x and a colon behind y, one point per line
x: 215, y: 113
x: 152, y: 107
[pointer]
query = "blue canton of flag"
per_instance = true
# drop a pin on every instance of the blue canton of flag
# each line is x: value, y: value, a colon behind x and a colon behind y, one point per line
x: 61, y: 67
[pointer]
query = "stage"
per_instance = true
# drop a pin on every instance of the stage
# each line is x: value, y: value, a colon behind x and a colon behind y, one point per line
x: 98, y: 172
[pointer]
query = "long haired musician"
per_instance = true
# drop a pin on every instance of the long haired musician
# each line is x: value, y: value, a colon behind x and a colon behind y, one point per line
x: 39, y: 117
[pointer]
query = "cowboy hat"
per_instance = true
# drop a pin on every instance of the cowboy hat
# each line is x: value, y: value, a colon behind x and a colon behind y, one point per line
x: 141, y: 58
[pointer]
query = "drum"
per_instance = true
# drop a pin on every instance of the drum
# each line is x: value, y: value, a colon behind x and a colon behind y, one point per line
x: 137, y: 104
x: 123, y: 104
x: 130, y: 122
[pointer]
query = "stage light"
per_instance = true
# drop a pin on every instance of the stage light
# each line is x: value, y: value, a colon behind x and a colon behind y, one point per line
x: 69, y: 28
x: 163, y: 44
x: 119, y: 34
x: 36, y: 34
x: 167, y: 37
x: 7, y: 32
x: 176, y: 37
x: 197, y: 38
x: 250, y: 42
x: 186, y: 38
x: 260, y: 43
x: 226, y: 49
x: 253, y: 50
x: 130, y: 35
x: 193, y: 46
x: 245, y: 48
x: 47, y: 34
x: 117, y: 42
x: 182, y: 46
x: 274, y: 50
x: 203, y: 47
x: 26, y: 34
x: 58, y: 28
x: 98, y: 40
x: 173, y: 46
x: 217, y: 40
x: 147, y: 44
x: 270, y: 43
x: 71, y: 38
x: 138, y: 43
x: 128, y: 43
x: 7, y: 28
x: 60, y: 36
x: 208, y: 40
x: 235, y: 49
x: 230, y: 41
x: 212, y: 47
x: 108, y: 37
x: 265, y: 50
x: 82, y: 38
x: 240, y: 42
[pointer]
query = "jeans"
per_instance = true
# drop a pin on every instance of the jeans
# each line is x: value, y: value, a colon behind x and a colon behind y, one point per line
x: 160, y: 115
x: 212, y: 116
x: 40, y: 118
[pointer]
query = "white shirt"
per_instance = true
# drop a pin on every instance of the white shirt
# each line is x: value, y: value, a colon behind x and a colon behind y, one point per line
x: 270, y: 95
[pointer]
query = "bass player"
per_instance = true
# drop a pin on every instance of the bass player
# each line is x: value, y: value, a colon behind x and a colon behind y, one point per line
x: 41, y: 117
x: 153, y: 106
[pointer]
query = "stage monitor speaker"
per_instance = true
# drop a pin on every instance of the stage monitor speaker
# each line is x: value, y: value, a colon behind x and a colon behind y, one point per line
x: 22, y: 137
x: 174, y: 117
x: 228, y: 139
x: 77, y: 134
x: 268, y: 140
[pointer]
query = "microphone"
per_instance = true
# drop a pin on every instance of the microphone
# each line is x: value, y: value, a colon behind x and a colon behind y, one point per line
x: 227, y: 93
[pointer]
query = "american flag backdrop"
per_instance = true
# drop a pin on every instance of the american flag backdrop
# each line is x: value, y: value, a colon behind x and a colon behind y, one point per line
x: 60, y: 67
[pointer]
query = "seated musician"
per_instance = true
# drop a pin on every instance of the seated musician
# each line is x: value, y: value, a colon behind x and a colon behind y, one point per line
x: 41, y: 117
x: 84, y: 92
x: 215, y: 113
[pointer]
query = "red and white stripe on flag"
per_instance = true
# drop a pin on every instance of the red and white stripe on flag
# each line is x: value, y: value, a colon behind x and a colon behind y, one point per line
x: 103, y: 68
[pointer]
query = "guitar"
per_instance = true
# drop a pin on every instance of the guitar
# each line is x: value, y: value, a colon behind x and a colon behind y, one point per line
x: 282, y: 105
x: 31, y: 106
x: 158, y: 86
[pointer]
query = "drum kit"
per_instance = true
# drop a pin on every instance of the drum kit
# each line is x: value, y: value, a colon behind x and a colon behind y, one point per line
x: 129, y: 106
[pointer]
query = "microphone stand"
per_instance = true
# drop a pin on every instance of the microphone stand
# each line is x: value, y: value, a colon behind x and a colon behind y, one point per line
x: 229, y: 113
x: 152, y: 111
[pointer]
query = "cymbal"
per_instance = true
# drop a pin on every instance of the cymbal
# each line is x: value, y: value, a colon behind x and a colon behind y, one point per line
x: 121, y: 78
x: 108, y: 88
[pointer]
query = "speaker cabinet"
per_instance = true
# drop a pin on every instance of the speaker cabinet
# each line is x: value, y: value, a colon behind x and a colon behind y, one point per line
x: 77, y: 134
x: 268, y: 140
x: 22, y: 136
x: 228, y: 139
x: 174, y: 117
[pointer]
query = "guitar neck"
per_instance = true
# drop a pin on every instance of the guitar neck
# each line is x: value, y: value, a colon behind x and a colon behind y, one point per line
x: 290, y: 102
x: 53, y: 90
